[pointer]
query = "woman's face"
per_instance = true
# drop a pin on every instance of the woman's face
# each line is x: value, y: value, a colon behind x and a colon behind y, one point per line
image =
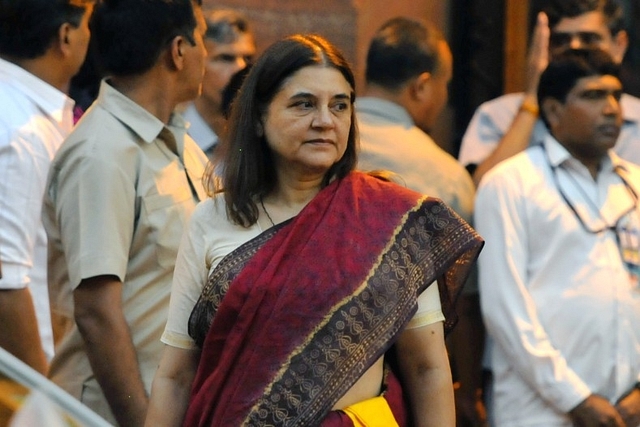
x: 307, y: 123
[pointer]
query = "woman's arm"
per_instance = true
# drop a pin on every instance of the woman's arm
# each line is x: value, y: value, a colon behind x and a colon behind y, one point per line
x: 426, y: 375
x: 171, y: 387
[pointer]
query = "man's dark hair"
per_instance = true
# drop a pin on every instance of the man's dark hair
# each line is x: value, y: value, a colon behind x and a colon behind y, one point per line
x: 130, y: 35
x: 226, y: 25
x: 556, y: 10
x: 248, y: 165
x: 565, y: 69
x: 29, y: 27
x: 231, y: 90
x: 401, y: 49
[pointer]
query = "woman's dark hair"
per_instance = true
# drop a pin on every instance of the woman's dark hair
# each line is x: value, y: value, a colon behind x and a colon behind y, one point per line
x: 248, y: 169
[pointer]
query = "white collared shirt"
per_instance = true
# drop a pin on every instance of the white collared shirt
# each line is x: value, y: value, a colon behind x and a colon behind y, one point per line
x: 199, y: 130
x: 558, y: 302
x: 35, y: 117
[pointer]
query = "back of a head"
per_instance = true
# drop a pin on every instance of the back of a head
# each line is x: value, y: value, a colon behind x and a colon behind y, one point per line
x: 401, y: 49
x: 130, y: 35
x: 29, y: 27
x: 557, y: 10
x: 226, y: 25
x: 565, y: 69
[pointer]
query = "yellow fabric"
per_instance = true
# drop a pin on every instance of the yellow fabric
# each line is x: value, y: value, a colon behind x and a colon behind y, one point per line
x: 373, y: 412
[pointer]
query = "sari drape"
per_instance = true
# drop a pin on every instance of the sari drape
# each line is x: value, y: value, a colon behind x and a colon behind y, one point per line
x: 291, y: 319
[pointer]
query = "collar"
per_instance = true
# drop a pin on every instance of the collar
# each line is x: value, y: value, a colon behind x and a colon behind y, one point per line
x: 144, y: 124
x: 558, y: 155
x: 383, y: 109
x: 198, y: 129
x: 49, y: 99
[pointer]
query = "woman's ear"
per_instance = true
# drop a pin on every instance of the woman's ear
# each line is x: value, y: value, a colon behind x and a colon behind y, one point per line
x: 260, y: 129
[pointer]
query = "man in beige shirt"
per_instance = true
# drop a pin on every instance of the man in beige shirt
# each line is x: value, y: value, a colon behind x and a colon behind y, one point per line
x: 119, y: 193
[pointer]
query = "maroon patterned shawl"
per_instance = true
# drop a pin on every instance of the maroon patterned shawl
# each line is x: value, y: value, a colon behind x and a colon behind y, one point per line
x: 291, y: 319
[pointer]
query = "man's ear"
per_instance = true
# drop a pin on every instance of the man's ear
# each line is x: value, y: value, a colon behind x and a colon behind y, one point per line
x: 619, y: 46
x: 65, y: 37
x: 553, y: 110
x: 421, y: 87
x: 177, y: 52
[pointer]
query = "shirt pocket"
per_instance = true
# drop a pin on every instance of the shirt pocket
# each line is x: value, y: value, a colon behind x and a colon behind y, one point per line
x: 166, y: 215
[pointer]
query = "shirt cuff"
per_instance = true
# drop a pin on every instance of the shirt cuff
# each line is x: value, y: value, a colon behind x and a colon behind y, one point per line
x: 175, y: 339
x: 570, y: 393
x: 14, y: 276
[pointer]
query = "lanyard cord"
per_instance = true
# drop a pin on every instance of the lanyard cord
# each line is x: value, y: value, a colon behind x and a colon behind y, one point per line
x: 592, y: 204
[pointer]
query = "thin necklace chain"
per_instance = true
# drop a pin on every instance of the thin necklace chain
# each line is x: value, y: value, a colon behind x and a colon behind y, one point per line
x: 266, y: 211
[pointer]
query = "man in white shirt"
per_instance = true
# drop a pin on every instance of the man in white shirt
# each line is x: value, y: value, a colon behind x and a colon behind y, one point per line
x: 42, y: 45
x: 230, y: 48
x: 559, y: 273
x: 507, y: 125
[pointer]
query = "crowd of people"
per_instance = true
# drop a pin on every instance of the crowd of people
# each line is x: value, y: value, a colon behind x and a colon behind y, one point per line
x: 218, y: 237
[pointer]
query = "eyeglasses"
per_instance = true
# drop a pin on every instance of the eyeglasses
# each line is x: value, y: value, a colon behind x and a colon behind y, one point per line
x: 586, y: 38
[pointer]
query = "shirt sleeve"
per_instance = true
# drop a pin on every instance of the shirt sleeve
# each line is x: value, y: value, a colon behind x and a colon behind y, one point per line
x: 508, y: 309
x: 95, y: 205
x: 24, y: 163
x: 481, y: 137
x: 429, y: 309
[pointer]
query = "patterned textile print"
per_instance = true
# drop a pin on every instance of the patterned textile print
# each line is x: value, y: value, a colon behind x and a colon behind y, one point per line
x: 362, y: 327
x: 218, y: 284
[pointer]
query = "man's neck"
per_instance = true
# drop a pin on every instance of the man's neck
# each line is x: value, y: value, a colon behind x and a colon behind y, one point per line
x: 46, y: 69
x: 150, y: 91
x: 376, y: 91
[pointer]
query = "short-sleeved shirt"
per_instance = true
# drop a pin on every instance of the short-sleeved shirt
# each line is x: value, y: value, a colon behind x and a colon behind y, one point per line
x: 117, y: 200
x: 210, y: 237
x: 35, y: 117
x: 493, y: 118
x: 389, y: 140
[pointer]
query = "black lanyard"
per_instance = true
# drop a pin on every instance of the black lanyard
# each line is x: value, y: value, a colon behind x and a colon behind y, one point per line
x: 573, y: 209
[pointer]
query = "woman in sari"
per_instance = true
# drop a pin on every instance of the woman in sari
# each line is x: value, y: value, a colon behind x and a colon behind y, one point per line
x: 302, y: 294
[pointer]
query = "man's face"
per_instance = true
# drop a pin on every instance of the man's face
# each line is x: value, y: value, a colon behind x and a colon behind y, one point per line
x: 589, y: 121
x: 586, y: 31
x: 223, y: 61
x: 79, y: 39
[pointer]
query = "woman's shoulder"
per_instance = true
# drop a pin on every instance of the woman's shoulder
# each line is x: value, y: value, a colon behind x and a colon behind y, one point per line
x: 211, y: 207
x: 210, y: 218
